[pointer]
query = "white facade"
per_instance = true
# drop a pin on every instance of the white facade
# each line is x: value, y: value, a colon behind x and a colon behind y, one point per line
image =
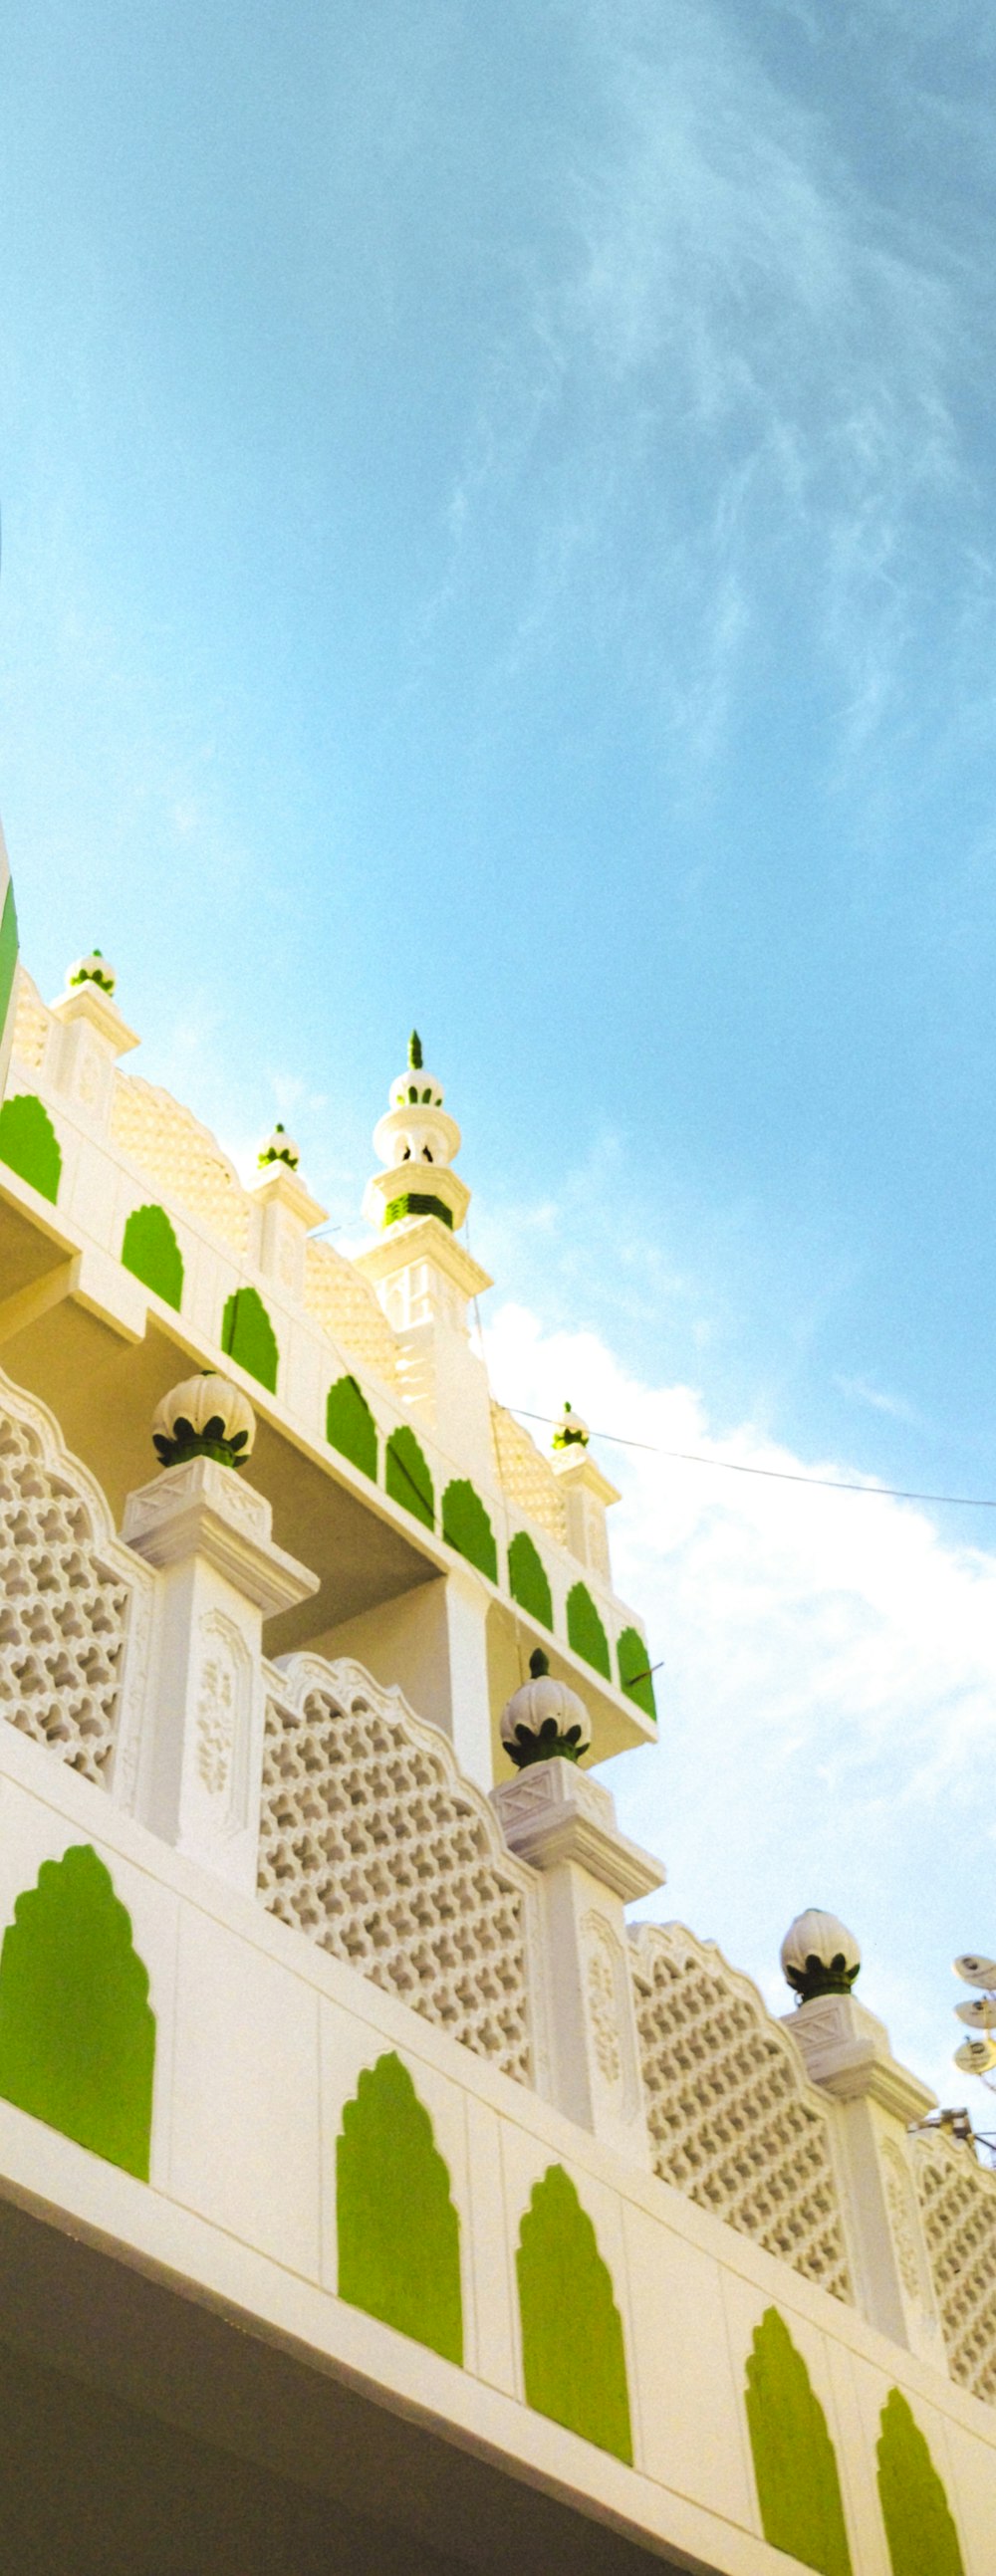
x: 269, y: 1702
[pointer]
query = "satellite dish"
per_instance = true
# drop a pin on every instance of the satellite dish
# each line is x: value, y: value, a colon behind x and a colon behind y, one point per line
x: 980, y: 2014
x: 976, y: 1972
x: 975, y: 2056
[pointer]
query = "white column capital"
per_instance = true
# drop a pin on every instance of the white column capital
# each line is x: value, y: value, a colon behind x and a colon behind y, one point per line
x: 553, y: 1812
x: 202, y: 1509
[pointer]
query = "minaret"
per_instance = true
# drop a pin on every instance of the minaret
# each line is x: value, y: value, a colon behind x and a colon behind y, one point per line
x: 425, y: 1277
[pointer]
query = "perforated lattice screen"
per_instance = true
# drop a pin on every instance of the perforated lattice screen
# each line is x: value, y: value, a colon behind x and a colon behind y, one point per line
x: 373, y: 1845
x: 958, y: 2207
x: 733, y: 2120
x: 63, y: 1608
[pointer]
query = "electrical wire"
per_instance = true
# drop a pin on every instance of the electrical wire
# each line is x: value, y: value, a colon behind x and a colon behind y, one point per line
x: 782, y: 1475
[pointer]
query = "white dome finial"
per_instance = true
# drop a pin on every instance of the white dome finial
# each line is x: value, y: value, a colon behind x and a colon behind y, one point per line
x: 819, y: 1956
x: 544, y: 1718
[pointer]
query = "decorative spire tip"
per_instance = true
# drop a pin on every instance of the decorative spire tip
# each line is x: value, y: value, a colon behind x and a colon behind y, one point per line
x: 415, y: 1052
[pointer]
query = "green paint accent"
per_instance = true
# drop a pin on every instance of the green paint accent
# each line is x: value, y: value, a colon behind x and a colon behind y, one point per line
x: 248, y: 1336
x: 585, y: 1631
x: 350, y: 1426
x: 29, y: 1144
x: 8, y: 954
x: 794, y: 2461
x: 467, y: 1528
x: 919, y: 2527
x: 399, y: 2234
x: 527, y: 1579
x: 151, y: 1252
x: 415, y: 1052
x: 407, y: 1478
x: 77, y: 2034
x: 634, y: 1679
x: 418, y: 1203
x: 572, y: 2339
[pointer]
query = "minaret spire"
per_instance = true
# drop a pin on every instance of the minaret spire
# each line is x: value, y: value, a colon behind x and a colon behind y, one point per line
x: 417, y: 1142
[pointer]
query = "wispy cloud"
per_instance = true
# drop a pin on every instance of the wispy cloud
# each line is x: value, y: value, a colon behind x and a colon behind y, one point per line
x: 828, y: 1697
x: 739, y: 370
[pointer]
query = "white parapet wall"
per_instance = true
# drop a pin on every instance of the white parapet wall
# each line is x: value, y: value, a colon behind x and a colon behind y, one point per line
x: 262, y: 2042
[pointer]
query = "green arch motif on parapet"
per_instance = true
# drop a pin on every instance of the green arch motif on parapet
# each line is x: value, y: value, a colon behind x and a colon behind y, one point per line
x: 151, y: 1252
x: 573, y: 2356
x: 350, y: 1426
x: 407, y: 1478
x: 77, y: 2032
x: 795, y: 2464
x: 527, y: 1579
x: 398, y: 2231
x: 29, y: 1144
x: 247, y: 1335
x: 918, y: 2522
x: 466, y: 1527
x: 635, y: 1679
x: 585, y: 1631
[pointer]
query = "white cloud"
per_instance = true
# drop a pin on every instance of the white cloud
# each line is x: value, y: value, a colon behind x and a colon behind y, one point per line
x: 739, y: 345
x: 828, y: 1698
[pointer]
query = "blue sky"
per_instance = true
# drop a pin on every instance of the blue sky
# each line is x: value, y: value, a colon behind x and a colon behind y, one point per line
x: 498, y: 532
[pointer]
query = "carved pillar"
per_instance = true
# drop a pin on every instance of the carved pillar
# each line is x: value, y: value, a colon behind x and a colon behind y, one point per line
x: 847, y: 2052
x: 284, y: 1214
x: 198, y: 1771
x: 565, y: 1824
x: 87, y: 1036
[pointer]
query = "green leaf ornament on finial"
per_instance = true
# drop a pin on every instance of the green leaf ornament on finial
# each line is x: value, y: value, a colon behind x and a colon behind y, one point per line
x: 415, y: 1052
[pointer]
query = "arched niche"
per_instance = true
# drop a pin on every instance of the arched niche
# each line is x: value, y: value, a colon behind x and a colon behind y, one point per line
x: 398, y: 2231
x: 77, y: 2032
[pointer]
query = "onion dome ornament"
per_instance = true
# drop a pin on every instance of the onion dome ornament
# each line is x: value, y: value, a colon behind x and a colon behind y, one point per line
x: 571, y: 1431
x: 544, y: 1718
x: 819, y: 1956
x: 205, y: 1417
x: 93, y: 969
x: 417, y: 1142
x: 279, y: 1148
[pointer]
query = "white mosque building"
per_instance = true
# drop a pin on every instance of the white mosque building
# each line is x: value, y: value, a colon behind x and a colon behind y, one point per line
x: 372, y: 2197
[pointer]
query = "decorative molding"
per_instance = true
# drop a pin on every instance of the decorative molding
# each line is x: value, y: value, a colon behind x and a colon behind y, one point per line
x: 205, y: 1513
x: 223, y: 1714
x: 552, y: 1813
x: 846, y: 2051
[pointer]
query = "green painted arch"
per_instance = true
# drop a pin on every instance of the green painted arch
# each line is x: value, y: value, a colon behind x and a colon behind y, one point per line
x: 350, y: 1426
x: 77, y: 2033
x: 528, y: 1582
x: 151, y: 1252
x: 407, y: 1478
x: 398, y: 2231
x: 919, y: 2526
x: 798, y: 2488
x: 573, y: 2356
x: 29, y: 1144
x: 634, y: 1678
x: 467, y: 1528
x: 585, y: 1631
x: 247, y: 1335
